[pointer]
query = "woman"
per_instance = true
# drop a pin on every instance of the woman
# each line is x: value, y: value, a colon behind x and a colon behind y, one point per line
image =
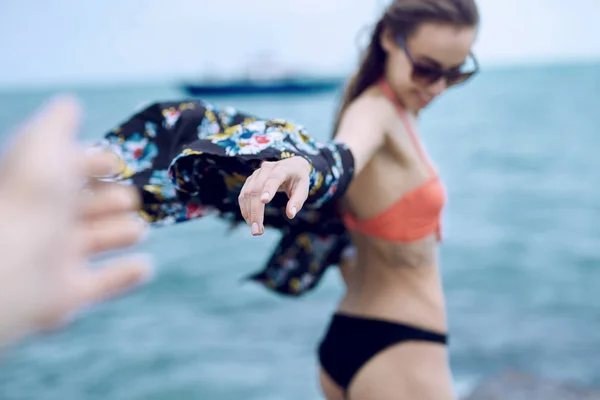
x: 373, y: 186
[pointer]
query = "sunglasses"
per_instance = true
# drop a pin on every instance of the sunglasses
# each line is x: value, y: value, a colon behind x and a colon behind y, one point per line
x: 429, y: 74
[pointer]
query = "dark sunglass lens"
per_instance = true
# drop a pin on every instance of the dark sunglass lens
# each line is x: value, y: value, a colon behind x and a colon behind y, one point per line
x: 426, y: 74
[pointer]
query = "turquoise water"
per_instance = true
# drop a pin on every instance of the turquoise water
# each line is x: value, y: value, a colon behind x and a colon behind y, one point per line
x: 516, y: 148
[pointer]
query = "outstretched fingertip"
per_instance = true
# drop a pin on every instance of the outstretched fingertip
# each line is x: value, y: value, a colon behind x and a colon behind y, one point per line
x: 292, y: 211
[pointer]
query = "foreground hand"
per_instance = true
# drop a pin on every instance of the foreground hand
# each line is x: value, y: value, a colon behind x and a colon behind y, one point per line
x: 51, y: 227
x: 290, y: 175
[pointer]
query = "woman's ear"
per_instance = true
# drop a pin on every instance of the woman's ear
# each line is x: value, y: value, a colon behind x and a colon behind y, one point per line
x: 386, y: 40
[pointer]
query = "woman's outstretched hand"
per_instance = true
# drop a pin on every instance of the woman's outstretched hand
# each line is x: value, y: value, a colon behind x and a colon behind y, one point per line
x: 290, y: 176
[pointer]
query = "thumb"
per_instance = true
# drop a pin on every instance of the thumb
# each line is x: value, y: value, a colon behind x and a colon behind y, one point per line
x: 51, y: 127
x: 298, y: 195
x: 43, y: 147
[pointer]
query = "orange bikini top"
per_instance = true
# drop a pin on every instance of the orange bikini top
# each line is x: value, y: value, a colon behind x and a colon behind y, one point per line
x: 415, y: 215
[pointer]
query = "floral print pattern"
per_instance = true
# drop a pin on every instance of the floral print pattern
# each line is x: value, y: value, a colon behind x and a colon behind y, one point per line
x: 190, y: 159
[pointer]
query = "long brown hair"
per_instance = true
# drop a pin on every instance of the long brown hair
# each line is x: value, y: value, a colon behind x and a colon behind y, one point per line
x: 402, y: 18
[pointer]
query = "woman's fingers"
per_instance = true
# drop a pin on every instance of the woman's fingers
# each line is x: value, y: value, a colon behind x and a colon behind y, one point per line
x: 276, y: 177
x: 264, y: 183
x: 244, y: 197
x: 298, y: 195
x: 258, y: 190
x: 249, y: 199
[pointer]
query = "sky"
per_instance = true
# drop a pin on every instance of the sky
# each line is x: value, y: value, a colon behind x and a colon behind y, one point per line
x: 49, y: 42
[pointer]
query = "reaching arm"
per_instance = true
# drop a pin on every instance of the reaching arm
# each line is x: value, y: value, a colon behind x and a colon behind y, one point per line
x: 362, y: 129
x: 359, y: 137
x: 188, y: 158
x: 247, y: 148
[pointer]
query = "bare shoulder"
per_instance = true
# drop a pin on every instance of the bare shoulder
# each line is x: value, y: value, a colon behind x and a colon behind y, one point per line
x: 395, y: 127
x: 372, y: 104
x: 370, y: 115
x: 363, y: 127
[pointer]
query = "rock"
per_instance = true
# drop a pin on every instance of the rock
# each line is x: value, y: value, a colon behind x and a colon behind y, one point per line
x: 515, y: 385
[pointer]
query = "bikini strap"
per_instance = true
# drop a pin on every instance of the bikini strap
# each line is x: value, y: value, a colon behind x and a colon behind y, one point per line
x: 387, y: 90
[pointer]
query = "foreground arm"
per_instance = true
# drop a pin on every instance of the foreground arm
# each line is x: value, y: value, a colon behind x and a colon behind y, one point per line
x: 51, y: 228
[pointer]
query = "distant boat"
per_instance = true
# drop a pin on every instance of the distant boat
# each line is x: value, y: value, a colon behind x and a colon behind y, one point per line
x: 283, y: 85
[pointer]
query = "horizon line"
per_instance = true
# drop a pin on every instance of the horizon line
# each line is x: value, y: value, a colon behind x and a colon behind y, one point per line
x: 498, y: 66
